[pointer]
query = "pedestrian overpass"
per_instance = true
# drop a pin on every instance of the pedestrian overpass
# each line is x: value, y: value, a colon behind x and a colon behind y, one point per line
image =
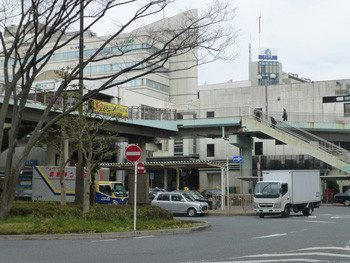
x: 239, y: 129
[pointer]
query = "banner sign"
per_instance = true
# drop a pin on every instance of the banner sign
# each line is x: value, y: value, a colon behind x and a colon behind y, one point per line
x: 109, y: 108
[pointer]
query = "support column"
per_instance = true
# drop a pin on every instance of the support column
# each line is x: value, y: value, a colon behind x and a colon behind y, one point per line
x: 245, y: 143
x: 177, y: 179
x: 166, y: 179
x: 50, y: 155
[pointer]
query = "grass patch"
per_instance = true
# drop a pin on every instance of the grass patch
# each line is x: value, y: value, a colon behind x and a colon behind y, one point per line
x: 51, y: 218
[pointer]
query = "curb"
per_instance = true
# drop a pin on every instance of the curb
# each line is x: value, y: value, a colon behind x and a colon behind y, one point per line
x: 108, y: 235
x: 232, y: 214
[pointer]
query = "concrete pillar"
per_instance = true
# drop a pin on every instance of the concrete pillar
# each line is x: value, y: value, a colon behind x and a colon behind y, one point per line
x: 166, y: 179
x: 50, y: 155
x: 177, y: 179
x: 245, y: 143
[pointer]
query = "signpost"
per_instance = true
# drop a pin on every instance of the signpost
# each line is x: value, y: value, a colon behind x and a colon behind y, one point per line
x: 133, y: 154
x: 140, y: 168
x: 237, y: 159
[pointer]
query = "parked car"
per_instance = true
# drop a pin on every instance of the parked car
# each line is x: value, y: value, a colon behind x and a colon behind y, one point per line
x: 181, y: 203
x: 208, y: 193
x: 343, y: 198
x: 196, y: 195
x: 154, y: 191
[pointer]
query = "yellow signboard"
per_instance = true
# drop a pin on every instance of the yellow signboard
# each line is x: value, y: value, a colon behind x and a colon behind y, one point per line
x: 112, y: 109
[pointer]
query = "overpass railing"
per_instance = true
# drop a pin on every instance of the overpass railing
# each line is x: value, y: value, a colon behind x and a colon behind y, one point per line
x: 222, y: 112
x: 135, y: 113
x: 302, y: 135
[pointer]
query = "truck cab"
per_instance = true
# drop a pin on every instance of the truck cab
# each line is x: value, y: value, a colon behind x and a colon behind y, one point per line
x: 110, y: 193
x: 272, y: 197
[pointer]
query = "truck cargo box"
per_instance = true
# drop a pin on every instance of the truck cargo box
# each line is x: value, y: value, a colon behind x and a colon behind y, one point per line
x: 305, y: 185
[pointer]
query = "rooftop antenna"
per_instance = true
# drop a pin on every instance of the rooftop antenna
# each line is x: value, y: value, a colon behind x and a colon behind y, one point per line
x: 259, y: 28
x: 250, y: 49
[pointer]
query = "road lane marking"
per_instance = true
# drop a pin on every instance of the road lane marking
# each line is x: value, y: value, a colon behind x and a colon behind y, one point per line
x: 308, y: 221
x: 299, y: 254
x: 274, y: 235
x: 324, y: 248
x: 273, y: 260
x: 142, y: 237
x: 104, y: 240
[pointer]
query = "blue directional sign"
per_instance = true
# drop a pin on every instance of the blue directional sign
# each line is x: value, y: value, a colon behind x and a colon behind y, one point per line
x: 151, y: 176
x: 237, y: 159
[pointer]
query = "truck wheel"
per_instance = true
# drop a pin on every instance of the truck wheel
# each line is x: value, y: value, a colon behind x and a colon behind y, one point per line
x: 347, y: 202
x: 286, y: 211
x: 261, y: 215
x: 308, y: 211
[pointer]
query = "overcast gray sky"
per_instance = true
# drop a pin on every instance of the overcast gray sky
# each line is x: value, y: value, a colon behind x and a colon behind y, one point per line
x: 311, y: 37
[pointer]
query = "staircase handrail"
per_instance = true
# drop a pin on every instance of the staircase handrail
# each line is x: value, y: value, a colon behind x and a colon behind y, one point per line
x: 301, y: 135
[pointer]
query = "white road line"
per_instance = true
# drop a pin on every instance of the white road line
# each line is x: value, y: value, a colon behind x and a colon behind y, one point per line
x: 324, y: 248
x: 142, y: 237
x: 300, y: 254
x: 104, y: 240
x: 274, y: 235
x: 271, y: 260
x: 308, y: 221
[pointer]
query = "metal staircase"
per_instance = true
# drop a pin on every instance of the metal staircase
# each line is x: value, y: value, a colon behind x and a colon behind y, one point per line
x: 299, y: 138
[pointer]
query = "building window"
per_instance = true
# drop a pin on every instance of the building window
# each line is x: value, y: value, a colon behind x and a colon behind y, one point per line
x: 210, y: 150
x: 258, y: 148
x: 210, y: 114
x: 347, y: 109
x: 178, y: 147
x: 179, y: 116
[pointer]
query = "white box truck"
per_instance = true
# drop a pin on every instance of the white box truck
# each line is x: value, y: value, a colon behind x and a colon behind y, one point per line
x: 284, y: 191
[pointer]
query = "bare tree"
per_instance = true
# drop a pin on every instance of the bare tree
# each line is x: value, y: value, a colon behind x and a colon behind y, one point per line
x: 95, y: 148
x: 43, y: 27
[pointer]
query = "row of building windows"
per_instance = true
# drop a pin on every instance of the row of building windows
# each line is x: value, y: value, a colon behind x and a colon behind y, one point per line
x: 146, y: 82
x: 120, y: 66
x: 105, y: 51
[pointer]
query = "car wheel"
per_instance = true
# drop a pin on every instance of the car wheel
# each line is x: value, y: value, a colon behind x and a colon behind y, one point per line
x: 191, y: 212
x: 286, y: 211
x: 261, y: 215
x: 347, y: 202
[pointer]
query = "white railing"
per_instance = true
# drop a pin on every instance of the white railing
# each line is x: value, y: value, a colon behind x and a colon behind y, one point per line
x: 302, y: 135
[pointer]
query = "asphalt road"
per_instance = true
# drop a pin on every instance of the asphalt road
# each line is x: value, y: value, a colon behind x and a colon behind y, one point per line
x: 322, y: 237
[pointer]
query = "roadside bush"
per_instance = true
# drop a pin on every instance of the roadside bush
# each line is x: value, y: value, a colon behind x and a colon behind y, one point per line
x: 27, y: 217
x: 97, y: 212
x: 44, y: 209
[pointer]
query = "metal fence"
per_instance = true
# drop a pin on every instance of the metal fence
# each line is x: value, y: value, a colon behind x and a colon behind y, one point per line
x: 233, y: 201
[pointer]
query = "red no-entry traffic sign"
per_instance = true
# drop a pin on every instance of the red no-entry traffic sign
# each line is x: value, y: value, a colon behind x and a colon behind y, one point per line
x: 133, y: 153
x: 140, y: 168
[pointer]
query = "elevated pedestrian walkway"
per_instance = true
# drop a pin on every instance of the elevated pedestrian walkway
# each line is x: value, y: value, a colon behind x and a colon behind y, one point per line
x: 298, y: 138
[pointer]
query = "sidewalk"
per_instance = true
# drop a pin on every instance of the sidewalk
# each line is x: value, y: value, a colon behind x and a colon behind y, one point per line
x: 234, y: 211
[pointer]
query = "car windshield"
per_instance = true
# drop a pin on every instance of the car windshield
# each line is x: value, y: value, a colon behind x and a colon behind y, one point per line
x: 119, y: 189
x: 267, y: 190
x: 196, y: 195
x: 188, y: 197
